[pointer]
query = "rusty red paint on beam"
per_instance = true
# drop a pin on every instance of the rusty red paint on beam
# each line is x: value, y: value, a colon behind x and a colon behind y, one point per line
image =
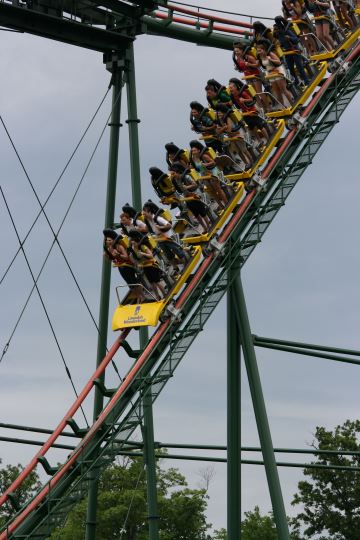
x: 63, y: 424
x: 214, y: 18
x: 208, y: 26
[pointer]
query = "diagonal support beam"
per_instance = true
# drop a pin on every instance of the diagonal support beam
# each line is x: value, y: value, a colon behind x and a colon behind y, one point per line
x: 262, y: 422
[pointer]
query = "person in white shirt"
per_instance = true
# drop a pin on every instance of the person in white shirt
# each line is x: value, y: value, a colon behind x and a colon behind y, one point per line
x: 161, y: 229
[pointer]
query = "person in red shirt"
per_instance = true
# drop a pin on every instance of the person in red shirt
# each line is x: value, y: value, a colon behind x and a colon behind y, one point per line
x: 246, y: 63
x: 244, y: 101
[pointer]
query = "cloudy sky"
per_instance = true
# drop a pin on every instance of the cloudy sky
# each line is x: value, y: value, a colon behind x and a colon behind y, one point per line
x: 301, y: 283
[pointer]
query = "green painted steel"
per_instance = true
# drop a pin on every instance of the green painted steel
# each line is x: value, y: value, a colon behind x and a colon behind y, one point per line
x: 306, y: 352
x: 172, y: 30
x: 132, y: 445
x: 150, y: 462
x: 253, y: 449
x: 245, y: 461
x: 233, y: 416
x: 133, y: 122
x: 337, y: 350
x: 148, y: 425
x: 248, y: 232
x: 105, y: 281
x: 62, y: 28
x: 243, y: 325
x: 113, y: 25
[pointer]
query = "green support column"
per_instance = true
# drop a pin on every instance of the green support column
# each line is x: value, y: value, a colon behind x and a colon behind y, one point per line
x: 233, y: 419
x: 106, y: 274
x: 150, y: 463
x: 262, y: 422
x: 148, y: 427
x: 133, y: 122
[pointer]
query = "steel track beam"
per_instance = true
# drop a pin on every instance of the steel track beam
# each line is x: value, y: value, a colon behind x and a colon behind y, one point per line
x: 65, y: 31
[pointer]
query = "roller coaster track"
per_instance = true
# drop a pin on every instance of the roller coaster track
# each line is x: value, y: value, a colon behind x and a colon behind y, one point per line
x: 156, y: 364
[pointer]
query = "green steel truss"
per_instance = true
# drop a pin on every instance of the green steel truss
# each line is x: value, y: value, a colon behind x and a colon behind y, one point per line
x: 106, y: 26
x: 160, y: 365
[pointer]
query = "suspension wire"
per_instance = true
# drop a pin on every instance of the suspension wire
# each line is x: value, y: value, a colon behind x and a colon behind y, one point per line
x: 48, y: 221
x: 42, y: 303
x: 221, y: 11
x: 55, y: 185
x: 6, y: 347
x: 123, y: 530
x: 39, y: 214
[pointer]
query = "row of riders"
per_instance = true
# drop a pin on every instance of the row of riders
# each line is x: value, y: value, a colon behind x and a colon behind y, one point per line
x: 234, y: 129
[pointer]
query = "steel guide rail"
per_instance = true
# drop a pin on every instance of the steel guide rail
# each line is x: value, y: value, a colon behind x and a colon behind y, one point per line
x: 177, y: 336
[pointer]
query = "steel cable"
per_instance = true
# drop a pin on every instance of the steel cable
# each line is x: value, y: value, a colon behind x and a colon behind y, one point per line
x: 55, y: 185
x: 6, y: 347
x: 43, y: 303
x: 66, y: 214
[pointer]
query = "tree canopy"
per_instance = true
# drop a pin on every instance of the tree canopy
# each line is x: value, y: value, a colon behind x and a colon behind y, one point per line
x: 122, y: 508
x: 25, y: 492
x: 331, y: 498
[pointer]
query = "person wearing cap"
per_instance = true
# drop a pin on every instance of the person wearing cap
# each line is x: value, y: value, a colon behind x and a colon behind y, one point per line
x: 206, y: 167
x: 186, y: 186
x: 145, y: 259
x: 162, y: 231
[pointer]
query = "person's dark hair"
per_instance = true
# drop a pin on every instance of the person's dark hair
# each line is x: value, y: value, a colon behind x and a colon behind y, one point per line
x: 171, y: 148
x: 196, y: 144
x: 177, y: 167
x: 264, y: 43
x: 240, y: 85
x: 197, y: 106
x: 151, y: 206
x: 136, y: 235
x: 280, y: 22
x: 156, y: 173
x: 221, y: 107
x: 212, y: 83
x: 259, y: 27
x: 129, y: 210
x: 110, y: 233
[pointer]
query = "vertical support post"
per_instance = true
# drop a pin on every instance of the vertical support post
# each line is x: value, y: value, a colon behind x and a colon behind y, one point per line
x: 148, y: 427
x: 233, y: 417
x: 133, y: 122
x: 150, y: 463
x: 117, y: 73
x: 260, y: 412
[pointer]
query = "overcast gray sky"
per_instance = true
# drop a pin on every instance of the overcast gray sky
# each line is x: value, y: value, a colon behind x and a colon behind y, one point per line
x: 301, y: 283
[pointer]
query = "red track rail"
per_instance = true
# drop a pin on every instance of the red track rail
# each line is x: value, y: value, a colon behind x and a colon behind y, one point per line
x: 209, y: 17
x: 208, y: 26
x: 63, y: 424
x: 147, y: 351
